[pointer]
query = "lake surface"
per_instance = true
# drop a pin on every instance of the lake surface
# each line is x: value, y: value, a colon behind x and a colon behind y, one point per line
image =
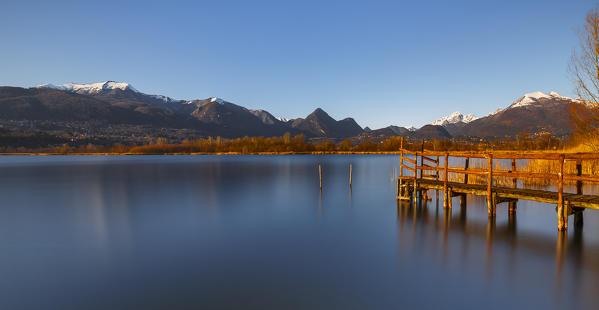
x: 254, y: 232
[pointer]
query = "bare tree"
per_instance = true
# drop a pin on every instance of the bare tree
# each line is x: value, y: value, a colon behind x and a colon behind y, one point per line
x: 584, y: 68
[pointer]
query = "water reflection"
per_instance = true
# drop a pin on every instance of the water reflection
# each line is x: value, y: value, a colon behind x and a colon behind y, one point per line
x: 503, y: 244
x: 232, y: 232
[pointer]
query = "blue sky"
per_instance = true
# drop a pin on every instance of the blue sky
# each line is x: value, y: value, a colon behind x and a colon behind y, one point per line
x: 380, y: 62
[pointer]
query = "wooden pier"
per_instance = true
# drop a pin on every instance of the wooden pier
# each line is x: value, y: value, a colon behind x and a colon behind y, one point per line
x: 429, y: 170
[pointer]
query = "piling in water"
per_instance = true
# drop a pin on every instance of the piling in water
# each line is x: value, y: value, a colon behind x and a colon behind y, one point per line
x: 320, y: 176
x: 350, y: 172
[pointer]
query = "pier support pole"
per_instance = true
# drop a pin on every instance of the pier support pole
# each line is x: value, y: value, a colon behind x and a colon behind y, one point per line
x: 445, y: 194
x: 466, y: 165
x: 415, y: 192
x: 578, y: 217
x: 490, y: 198
x: 579, y: 173
x: 400, y: 179
x: 562, y: 210
x: 513, y: 204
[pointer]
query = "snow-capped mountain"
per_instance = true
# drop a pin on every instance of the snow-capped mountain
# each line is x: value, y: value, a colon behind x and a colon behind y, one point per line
x: 495, y: 112
x: 454, y: 118
x: 534, y: 113
x: 536, y: 98
x: 412, y: 128
x: 106, y: 87
x: 120, y: 109
x: 91, y: 88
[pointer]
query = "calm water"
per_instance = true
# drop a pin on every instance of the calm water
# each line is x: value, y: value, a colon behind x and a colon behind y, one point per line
x: 204, y: 232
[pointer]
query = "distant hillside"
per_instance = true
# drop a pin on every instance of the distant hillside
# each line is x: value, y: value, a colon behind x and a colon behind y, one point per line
x: 534, y: 113
x: 430, y: 132
x: 119, y: 110
x: 320, y: 124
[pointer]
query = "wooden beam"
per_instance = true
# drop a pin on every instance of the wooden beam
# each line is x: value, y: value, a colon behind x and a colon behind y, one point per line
x: 581, y: 178
x: 432, y: 160
x: 407, y: 167
x: 413, y: 161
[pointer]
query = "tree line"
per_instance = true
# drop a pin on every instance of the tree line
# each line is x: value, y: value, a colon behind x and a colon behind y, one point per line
x: 298, y: 144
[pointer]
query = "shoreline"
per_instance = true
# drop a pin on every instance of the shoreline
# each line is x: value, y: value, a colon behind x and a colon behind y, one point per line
x: 572, y: 151
x: 202, y: 153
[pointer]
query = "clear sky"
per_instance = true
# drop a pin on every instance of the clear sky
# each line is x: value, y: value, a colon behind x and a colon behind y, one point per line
x: 380, y: 62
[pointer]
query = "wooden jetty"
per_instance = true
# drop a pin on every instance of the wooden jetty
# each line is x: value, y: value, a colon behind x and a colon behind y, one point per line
x: 430, y: 170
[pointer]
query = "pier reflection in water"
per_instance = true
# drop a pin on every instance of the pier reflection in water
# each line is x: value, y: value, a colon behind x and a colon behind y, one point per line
x: 455, y: 236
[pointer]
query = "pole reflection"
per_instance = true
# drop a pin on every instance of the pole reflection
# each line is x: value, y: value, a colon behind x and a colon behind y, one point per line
x: 491, y: 226
x: 450, y: 234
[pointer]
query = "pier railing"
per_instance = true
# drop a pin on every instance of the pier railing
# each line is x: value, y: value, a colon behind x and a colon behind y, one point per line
x: 426, y: 170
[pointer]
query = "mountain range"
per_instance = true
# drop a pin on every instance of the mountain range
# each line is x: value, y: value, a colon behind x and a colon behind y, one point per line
x: 535, y: 113
x: 119, y: 112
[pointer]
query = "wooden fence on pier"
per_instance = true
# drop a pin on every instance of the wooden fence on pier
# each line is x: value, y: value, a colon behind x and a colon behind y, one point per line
x: 430, y: 170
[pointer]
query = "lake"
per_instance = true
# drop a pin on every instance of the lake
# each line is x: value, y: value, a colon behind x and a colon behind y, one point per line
x: 255, y: 232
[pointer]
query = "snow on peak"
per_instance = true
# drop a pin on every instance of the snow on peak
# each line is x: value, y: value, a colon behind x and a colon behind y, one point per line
x: 495, y: 112
x: 453, y: 118
x: 533, y: 98
x: 282, y: 119
x: 412, y: 128
x: 49, y: 85
x: 91, y: 88
x: 217, y: 100
x: 468, y: 118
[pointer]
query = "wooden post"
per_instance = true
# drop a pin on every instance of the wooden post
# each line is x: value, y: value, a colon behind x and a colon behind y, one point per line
x: 437, y: 179
x: 445, y: 200
x: 320, y: 176
x: 490, y: 200
x: 422, y: 192
x: 562, y: 213
x: 578, y: 219
x: 414, y: 193
x: 400, y: 180
x: 401, y: 145
x: 437, y: 171
x: 466, y: 164
x: 513, y: 204
x: 350, y: 172
x: 422, y: 158
x: 579, y: 173
x: 514, y: 180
